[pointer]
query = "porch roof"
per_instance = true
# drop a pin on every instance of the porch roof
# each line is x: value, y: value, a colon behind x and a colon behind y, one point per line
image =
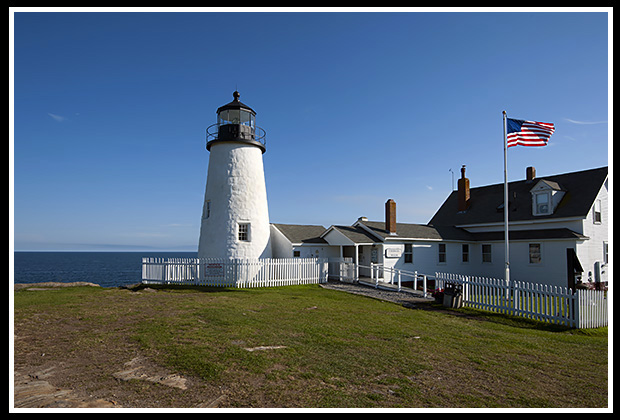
x: 355, y: 234
x: 302, y: 234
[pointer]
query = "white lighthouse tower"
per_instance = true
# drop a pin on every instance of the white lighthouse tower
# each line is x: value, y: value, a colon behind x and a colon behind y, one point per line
x: 235, y: 218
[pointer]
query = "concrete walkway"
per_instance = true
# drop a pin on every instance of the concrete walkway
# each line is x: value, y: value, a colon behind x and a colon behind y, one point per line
x: 365, y: 287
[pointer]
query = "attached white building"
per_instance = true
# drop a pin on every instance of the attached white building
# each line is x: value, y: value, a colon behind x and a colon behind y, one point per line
x: 558, y: 227
x: 303, y: 241
x: 558, y: 224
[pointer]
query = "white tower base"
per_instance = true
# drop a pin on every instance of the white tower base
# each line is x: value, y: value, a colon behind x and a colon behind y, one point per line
x: 235, y: 217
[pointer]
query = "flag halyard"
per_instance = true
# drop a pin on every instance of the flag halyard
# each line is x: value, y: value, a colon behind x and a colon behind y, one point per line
x: 528, y: 133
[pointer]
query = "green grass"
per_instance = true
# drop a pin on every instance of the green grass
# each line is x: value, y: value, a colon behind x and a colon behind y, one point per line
x: 342, y: 350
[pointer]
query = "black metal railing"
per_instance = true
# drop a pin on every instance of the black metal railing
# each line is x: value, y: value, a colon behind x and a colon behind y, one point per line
x: 256, y: 134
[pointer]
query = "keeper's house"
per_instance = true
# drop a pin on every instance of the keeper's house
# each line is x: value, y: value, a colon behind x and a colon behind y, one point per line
x: 558, y: 232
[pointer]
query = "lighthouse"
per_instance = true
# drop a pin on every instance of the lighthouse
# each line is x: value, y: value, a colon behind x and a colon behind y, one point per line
x: 235, y: 216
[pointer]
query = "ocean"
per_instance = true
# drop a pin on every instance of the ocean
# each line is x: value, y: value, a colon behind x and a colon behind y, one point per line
x: 107, y: 269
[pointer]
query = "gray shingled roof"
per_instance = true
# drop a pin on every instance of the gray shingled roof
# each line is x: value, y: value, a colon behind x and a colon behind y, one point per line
x: 298, y: 234
x: 416, y: 231
x: 485, y: 207
x: 445, y: 233
x: 357, y: 234
x: 486, y: 202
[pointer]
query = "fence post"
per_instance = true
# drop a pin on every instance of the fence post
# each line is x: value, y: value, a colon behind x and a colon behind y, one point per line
x: 375, y: 272
x: 576, y: 309
x: 464, y: 286
x: 515, y: 298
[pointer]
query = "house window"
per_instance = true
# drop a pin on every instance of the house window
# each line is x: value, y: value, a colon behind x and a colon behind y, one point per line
x: 442, y: 254
x: 597, y: 212
x: 465, y: 253
x: 535, y: 256
x: 605, y: 253
x: 408, y: 253
x: 542, y: 204
x: 296, y: 254
x: 244, y: 232
x: 486, y: 253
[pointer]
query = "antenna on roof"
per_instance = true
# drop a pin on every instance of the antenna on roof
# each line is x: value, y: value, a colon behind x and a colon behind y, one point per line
x: 451, y: 171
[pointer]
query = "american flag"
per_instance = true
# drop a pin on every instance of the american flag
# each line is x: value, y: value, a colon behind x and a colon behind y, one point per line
x: 528, y: 133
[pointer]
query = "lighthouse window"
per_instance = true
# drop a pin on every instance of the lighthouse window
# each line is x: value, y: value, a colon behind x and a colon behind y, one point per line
x: 244, y: 232
x: 233, y: 116
x: 236, y: 116
x: 245, y: 118
x: 222, y: 117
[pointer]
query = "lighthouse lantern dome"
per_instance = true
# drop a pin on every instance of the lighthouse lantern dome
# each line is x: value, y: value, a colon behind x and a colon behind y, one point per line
x: 236, y: 121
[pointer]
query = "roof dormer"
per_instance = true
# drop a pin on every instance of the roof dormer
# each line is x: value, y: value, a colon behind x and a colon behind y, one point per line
x: 546, y: 195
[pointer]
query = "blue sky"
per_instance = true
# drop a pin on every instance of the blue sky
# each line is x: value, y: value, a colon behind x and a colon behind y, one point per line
x: 110, y: 112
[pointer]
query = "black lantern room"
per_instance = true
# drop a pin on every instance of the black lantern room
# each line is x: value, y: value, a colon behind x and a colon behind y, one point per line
x: 236, y: 122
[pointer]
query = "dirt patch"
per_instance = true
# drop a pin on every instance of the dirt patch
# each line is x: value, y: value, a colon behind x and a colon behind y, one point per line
x: 83, y: 355
x: 136, y: 369
x: 33, y: 391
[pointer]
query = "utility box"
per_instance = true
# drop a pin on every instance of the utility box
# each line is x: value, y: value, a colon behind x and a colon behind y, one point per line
x: 453, y: 295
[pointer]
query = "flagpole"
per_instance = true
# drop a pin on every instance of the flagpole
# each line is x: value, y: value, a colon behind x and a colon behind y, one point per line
x: 506, y: 258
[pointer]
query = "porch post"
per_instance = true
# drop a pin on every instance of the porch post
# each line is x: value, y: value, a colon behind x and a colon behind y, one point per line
x: 357, y: 267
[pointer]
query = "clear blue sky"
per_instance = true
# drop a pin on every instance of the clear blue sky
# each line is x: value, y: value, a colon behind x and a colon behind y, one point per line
x: 110, y: 112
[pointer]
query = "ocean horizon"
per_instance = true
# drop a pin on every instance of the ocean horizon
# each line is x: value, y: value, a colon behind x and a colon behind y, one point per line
x: 105, y: 268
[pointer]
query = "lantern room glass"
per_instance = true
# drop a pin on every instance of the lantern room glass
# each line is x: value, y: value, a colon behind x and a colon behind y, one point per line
x: 236, y: 116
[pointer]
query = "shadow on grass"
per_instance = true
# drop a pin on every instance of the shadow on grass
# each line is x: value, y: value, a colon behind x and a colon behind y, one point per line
x: 503, y: 319
x: 178, y: 287
x: 470, y: 313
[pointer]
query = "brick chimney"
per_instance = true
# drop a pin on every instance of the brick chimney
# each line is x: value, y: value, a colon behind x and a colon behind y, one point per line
x: 463, y: 191
x: 390, y: 216
x: 530, y: 173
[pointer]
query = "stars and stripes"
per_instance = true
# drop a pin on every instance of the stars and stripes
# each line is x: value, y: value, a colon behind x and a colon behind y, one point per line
x: 528, y: 133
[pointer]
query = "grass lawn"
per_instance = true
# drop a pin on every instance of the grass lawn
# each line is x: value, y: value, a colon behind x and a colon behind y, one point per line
x: 325, y: 348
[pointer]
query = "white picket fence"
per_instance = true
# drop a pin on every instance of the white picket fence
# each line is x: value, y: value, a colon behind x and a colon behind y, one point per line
x: 244, y: 273
x: 558, y: 305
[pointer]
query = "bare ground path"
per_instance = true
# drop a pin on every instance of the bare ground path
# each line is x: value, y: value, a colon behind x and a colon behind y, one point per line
x: 42, y: 383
